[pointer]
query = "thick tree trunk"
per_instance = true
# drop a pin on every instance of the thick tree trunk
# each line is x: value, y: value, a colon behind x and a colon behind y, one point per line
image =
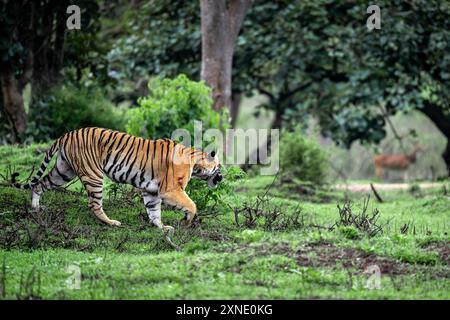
x: 13, y: 101
x: 221, y: 21
x: 442, y: 122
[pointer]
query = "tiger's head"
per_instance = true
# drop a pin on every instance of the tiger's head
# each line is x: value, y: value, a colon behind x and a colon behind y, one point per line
x: 207, y: 167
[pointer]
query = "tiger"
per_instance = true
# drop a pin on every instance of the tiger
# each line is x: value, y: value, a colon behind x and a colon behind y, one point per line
x: 160, y: 168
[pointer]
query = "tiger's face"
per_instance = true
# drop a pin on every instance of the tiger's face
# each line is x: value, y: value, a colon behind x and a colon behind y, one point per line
x: 208, y: 169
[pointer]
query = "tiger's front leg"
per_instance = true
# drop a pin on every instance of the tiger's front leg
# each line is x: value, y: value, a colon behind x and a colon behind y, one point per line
x: 94, y: 188
x: 181, y: 201
x: 152, y: 202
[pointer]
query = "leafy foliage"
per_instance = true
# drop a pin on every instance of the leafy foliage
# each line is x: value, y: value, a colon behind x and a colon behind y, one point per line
x: 302, y: 158
x: 166, y: 44
x: 69, y: 107
x: 401, y: 67
x: 172, y: 104
x: 86, y: 51
x: 211, y: 201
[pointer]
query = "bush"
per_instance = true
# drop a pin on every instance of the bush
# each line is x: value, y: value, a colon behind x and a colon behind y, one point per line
x: 172, y: 104
x: 349, y: 232
x: 67, y: 108
x: 210, y: 201
x: 302, y: 157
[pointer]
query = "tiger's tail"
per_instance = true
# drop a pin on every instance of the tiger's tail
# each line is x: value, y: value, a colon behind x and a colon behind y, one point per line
x: 48, y: 157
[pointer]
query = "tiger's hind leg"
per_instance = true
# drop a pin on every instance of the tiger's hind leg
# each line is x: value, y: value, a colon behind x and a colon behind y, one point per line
x: 152, y: 202
x: 59, y: 175
x: 94, y: 189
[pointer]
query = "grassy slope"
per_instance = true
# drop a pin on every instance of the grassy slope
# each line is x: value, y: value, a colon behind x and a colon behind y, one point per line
x: 219, y: 259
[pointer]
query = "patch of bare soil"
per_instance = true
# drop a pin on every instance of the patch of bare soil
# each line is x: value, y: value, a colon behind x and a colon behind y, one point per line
x: 328, y: 255
x: 365, y: 187
x: 442, y: 248
x: 325, y: 254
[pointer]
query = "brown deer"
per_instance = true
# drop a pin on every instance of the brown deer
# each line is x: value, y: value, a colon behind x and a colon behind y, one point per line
x: 395, y: 161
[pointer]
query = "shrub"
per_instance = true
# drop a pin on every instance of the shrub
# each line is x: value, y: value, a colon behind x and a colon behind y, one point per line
x: 172, y: 104
x: 302, y: 157
x: 69, y: 107
x: 349, y: 232
x: 360, y: 220
x: 211, y: 201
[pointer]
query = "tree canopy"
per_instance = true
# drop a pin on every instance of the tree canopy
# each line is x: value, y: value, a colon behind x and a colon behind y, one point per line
x: 308, y: 57
x: 319, y: 58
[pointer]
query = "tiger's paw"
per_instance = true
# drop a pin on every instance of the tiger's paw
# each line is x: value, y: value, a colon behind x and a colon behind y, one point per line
x: 114, y: 223
x: 39, y: 208
x: 183, y: 223
x: 188, y: 223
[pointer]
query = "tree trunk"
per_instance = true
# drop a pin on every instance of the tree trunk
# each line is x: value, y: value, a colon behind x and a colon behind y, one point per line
x: 221, y: 21
x: 27, y: 40
x: 43, y: 53
x: 277, y: 122
x: 13, y: 101
x: 442, y: 122
x: 234, y: 110
x: 58, y: 52
x: 446, y: 156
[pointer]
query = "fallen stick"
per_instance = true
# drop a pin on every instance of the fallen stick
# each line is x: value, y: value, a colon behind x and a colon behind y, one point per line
x: 167, y: 235
x: 171, y: 243
x: 376, y: 193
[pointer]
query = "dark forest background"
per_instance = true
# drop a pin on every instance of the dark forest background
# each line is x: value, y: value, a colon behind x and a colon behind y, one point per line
x: 283, y: 62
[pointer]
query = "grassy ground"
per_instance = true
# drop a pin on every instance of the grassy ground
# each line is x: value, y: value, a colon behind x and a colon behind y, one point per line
x: 296, y: 244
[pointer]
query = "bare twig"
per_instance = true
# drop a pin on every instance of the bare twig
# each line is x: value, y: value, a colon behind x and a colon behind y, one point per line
x: 166, y: 236
x: 363, y: 221
x: 376, y: 193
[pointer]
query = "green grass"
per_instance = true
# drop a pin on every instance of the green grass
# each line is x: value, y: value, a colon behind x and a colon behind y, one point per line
x: 219, y: 259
